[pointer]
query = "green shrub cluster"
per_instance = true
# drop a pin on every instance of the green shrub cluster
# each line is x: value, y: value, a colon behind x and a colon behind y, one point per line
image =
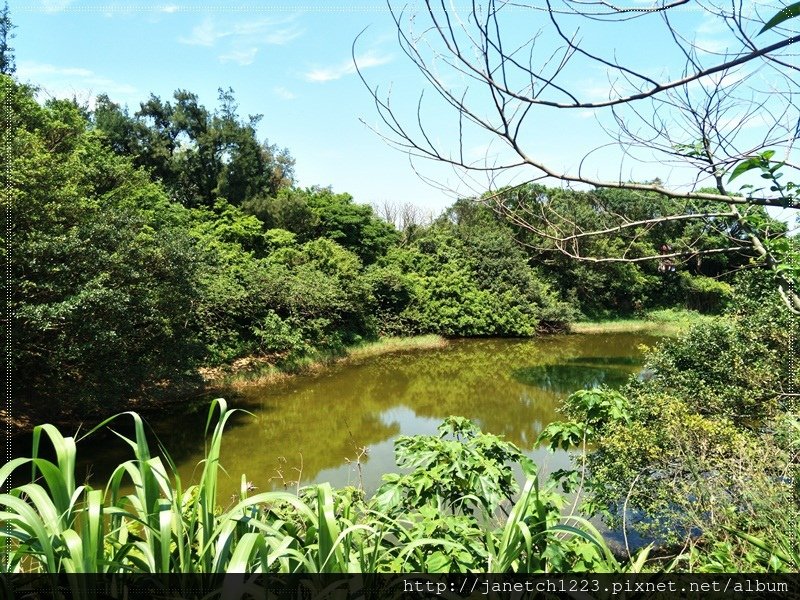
x: 701, y: 449
x: 466, y: 280
x: 618, y: 284
x: 441, y: 515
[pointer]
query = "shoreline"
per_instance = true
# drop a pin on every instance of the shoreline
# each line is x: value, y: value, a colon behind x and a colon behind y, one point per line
x: 253, y: 372
x: 248, y: 372
x: 668, y: 322
x: 229, y: 380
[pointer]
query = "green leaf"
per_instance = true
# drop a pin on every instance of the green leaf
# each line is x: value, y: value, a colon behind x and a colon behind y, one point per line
x: 743, y: 167
x: 784, y: 14
x: 438, y: 562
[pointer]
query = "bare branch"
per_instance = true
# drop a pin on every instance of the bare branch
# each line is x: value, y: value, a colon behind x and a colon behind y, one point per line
x: 719, y: 112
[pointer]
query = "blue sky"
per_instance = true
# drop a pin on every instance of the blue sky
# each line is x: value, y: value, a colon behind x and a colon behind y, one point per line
x: 293, y: 65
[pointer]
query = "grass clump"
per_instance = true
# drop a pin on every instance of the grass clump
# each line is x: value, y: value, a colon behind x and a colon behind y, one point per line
x: 52, y: 525
x: 388, y: 345
x: 264, y: 371
x: 667, y: 322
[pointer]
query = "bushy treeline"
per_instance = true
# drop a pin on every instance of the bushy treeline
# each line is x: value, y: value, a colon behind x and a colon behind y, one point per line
x: 146, y: 245
x: 698, y: 279
x: 701, y: 451
x: 138, y: 254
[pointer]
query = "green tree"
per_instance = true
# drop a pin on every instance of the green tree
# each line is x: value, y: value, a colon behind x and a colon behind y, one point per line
x: 466, y: 278
x: 7, y: 63
x: 103, y: 271
x: 199, y: 156
x: 318, y: 212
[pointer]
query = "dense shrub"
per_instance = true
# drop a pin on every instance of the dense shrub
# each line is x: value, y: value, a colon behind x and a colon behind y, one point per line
x: 467, y: 279
x: 706, y: 294
x: 103, y: 271
x: 318, y: 212
x: 613, y: 287
x: 704, y: 446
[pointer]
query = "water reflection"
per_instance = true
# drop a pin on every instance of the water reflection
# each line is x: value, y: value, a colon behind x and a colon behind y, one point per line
x: 565, y: 378
x: 308, y: 428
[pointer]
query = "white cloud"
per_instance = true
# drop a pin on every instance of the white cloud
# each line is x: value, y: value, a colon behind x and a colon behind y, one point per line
x: 711, y: 46
x: 263, y: 31
x: 481, y: 151
x: 245, y: 38
x: 32, y: 69
x: 598, y: 92
x: 282, y: 36
x: 282, y: 92
x: 242, y: 57
x: 202, y: 35
x: 68, y: 82
x: 757, y: 120
x: 55, y: 5
x: 329, y: 73
x: 169, y: 9
x: 365, y: 61
x: 711, y: 26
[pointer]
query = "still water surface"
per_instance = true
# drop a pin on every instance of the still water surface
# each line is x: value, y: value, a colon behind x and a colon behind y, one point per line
x: 314, y: 427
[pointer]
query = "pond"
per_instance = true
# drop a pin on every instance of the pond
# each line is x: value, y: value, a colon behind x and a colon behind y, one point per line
x: 340, y: 425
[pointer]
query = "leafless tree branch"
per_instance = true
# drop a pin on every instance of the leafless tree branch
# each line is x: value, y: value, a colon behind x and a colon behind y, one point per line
x: 725, y: 107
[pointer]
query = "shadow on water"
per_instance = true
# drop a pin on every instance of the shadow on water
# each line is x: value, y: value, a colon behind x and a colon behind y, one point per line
x: 605, y: 360
x: 100, y: 452
x: 577, y: 373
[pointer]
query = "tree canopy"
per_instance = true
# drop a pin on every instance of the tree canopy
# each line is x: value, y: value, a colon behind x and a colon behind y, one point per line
x: 197, y: 154
x: 7, y: 63
x: 716, y: 118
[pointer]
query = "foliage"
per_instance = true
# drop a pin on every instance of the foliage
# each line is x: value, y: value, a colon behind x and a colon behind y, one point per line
x: 617, y: 286
x: 618, y: 222
x: 770, y: 171
x: 199, y: 156
x: 590, y: 412
x: 318, y: 212
x: 733, y: 368
x: 706, y: 294
x: 53, y: 525
x: 468, y: 472
x: 702, y: 445
x: 789, y: 12
x: 7, y: 62
x: 154, y: 244
x: 103, y: 270
x: 117, y: 290
x: 465, y: 276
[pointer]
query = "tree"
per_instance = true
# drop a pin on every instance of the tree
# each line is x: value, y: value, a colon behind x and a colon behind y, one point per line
x: 501, y: 80
x: 103, y: 277
x: 317, y: 212
x: 407, y: 217
x: 200, y: 156
x: 7, y: 65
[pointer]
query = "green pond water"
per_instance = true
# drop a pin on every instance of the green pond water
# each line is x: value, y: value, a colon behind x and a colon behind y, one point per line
x: 340, y: 425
